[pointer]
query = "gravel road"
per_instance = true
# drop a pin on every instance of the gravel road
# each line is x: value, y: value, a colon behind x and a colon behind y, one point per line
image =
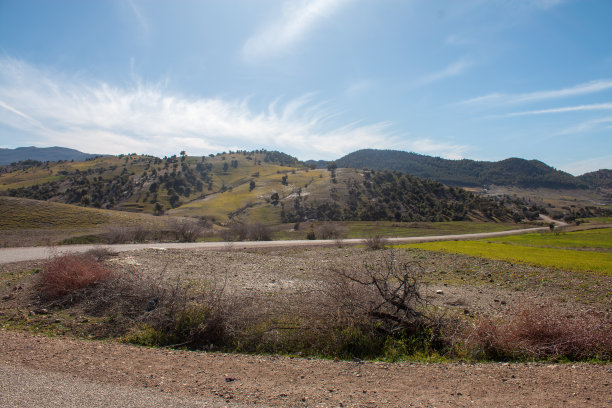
x: 25, y: 388
x: 8, y: 255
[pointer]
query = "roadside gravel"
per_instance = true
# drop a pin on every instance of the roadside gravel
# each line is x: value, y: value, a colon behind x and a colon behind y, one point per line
x: 66, y: 371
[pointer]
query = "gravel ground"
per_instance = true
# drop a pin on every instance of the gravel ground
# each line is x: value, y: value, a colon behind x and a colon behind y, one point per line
x: 61, y: 371
x: 52, y: 372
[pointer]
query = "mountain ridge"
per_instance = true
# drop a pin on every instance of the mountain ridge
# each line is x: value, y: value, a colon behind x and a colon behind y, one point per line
x: 465, y: 172
x: 43, y: 154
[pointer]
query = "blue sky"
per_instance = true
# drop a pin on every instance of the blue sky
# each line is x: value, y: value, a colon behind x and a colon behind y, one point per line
x: 483, y: 80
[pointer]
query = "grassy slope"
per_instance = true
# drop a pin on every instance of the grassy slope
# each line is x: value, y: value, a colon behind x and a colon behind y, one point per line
x: 564, y: 251
x: 20, y: 213
x: 221, y: 204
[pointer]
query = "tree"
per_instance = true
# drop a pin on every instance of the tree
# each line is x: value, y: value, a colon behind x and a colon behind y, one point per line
x: 225, y: 167
x: 252, y: 185
x: 274, y: 197
x: 158, y: 209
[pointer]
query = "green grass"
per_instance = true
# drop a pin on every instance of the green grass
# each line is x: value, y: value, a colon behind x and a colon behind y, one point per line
x: 220, y: 205
x: 539, y: 250
x: 21, y: 213
x: 597, y: 220
x: 597, y: 238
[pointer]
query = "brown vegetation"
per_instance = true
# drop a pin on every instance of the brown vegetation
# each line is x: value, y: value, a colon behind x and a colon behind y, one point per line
x: 64, y: 275
x: 542, y: 332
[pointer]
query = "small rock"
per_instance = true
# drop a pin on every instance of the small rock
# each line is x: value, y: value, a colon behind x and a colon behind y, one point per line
x: 439, y: 292
x: 229, y: 379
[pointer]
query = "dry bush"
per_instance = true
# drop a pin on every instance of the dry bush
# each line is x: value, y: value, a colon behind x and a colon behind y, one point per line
x: 330, y: 230
x: 155, y: 310
x: 140, y: 233
x: 259, y: 232
x: 100, y: 253
x: 63, y: 276
x: 177, y: 315
x: 542, y: 332
x: 187, y: 230
x: 386, y: 302
x: 118, y: 234
x: 242, y: 232
x: 376, y: 242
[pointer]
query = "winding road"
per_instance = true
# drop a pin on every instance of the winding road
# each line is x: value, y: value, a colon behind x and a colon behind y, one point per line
x: 8, y: 255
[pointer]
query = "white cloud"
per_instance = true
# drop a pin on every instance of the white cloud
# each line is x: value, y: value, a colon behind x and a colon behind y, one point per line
x: 140, y: 17
x: 578, y: 108
x: 588, y: 126
x: 445, y: 150
x: 100, y: 118
x: 298, y: 19
x: 454, y: 69
x: 580, y: 89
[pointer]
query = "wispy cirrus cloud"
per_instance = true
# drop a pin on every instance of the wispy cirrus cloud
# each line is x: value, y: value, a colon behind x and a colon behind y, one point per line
x: 297, y: 20
x: 454, y: 69
x: 588, y: 126
x: 580, y: 89
x: 441, y: 149
x: 565, y: 109
x: 98, y: 117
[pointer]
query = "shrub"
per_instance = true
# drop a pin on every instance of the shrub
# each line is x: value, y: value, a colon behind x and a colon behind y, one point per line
x: 330, y: 230
x: 118, y: 234
x: 63, y: 275
x: 251, y: 232
x: 376, y: 242
x: 194, y: 326
x: 186, y: 229
x: 542, y: 332
x: 385, y: 301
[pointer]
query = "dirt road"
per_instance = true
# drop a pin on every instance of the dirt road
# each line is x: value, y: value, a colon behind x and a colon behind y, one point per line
x: 8, y: 255
x: 54, y: 372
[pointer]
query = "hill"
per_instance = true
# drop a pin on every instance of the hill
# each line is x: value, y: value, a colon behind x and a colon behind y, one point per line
x: 8, y: 156
x: 258, y: 186
x: 464, y: 173
x: 598, y: 179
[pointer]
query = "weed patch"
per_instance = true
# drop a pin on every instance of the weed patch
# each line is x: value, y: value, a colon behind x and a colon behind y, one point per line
x: 542, y: 332
x: 66, y: 274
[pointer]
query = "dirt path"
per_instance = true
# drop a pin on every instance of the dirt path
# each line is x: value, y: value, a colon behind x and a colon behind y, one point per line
x: 215, y: 379
x: 8, y: 255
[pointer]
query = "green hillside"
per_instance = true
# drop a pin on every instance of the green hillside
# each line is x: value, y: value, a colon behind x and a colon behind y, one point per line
x: 598, y: 179
x: 258, y: 186
x: 465, y: 173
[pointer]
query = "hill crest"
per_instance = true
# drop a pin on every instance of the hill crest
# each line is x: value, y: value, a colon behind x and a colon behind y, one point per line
x: 464, y: 172
x: 43, y: 154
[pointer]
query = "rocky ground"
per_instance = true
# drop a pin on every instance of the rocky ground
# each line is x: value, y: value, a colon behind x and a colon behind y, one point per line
x: 281, y: 277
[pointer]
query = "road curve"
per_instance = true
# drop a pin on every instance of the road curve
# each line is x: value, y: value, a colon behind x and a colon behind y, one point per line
x: 8, y: 255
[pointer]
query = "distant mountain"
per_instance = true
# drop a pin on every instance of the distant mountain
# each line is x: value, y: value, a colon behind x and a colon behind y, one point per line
x: 464, y: 173
x: 598, y: 179
x: 8, y: 156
